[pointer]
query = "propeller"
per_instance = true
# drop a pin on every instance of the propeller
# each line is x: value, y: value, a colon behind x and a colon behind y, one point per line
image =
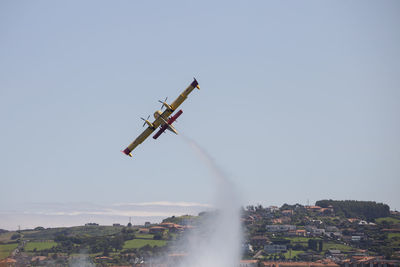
x: 163, y: 102
x: 145, y: 120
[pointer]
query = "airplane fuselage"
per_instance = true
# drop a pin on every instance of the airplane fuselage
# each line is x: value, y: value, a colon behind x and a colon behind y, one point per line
x: 165, y: 121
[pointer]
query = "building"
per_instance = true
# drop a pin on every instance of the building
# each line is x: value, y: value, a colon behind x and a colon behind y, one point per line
x: 248, y: 263
x: 299, y: 264
x: 157, y: 230
x: 172, y: 227
x: 8, y: 262
x: 362, y: 261
x: 280, y: 228
x: 287, y: 212
x: 301, y: 232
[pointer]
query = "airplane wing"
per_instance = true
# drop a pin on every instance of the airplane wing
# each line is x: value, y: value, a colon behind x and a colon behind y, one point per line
x: 182, y: 97
x: 169, y: 110
x: 162, y: 118
x: 138, y: 141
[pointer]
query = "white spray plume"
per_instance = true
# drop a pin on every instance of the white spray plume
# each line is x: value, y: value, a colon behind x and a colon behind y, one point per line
x: 217, y: 242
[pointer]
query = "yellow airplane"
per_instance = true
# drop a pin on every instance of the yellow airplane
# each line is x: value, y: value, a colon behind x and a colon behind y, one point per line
x: 162, y: 119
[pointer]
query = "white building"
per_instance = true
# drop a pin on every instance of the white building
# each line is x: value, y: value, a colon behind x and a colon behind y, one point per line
x: 280, y: 228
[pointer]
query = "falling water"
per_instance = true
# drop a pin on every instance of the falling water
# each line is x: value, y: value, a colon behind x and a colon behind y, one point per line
x: 218, y: 240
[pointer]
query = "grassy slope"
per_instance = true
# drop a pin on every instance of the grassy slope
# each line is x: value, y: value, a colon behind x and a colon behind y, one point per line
x: 6, y: 249
x: 30, y: 246
x: 138, y: 243
x: 50, y: 234
x: 338, y: 246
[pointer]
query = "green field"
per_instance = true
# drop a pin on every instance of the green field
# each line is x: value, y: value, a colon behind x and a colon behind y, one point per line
x: 30, y: 246
x: 290, y: 255
x: 341, y: 247
x: 138, y: 243
x: 6, y: 249
x: 51, y: 233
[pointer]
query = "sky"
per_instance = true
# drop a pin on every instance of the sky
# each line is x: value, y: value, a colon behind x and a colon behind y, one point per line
x: 299, y: 101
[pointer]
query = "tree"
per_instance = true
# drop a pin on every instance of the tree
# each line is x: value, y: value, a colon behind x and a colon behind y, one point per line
x: 368, y: 210
x: 117, y: 242
x: 312, y: 244
x: 320, y: 245
x: 15, y: 236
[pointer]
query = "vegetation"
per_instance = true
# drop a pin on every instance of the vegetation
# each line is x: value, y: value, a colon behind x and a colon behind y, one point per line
x: 51, y: 233
x: 182, y: 220
x: 388, y: 220
x: 39, y: 246
x: 139, y: 243
x: 6, y: 249
x: 368, y: 210
x: 113, y: 245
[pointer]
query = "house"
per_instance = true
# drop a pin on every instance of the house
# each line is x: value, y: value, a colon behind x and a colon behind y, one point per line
x: 333, y: 232
x: 272, y: 208
x: 363, y: 261
x: 8, y: 262
x: 143, y: 230
x: 332, y: 229
x: 157, y: 230
x: 277, y: 221
x: 287, y: 212
x: 172, y: 227
x: 313, y: 208
x: 353, y: 220
x: 248, y: 263
x: 355, y: 238
x: 280, y: 228
x: 38, y: 258
x: 313, y: 230
x: 301, y: 232
x: 299, y: 264
x: 274, y: 248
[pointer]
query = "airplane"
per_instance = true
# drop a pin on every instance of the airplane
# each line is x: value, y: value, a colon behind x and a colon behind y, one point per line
x: 162, y: 119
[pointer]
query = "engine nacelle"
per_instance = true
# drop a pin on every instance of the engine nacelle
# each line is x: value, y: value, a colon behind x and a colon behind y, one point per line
x: 150, y: 124
x: 165, y: 104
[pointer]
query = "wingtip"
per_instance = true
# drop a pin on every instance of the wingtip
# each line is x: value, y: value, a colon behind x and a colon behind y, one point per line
x: 195, y: 83
x: 127, y: 152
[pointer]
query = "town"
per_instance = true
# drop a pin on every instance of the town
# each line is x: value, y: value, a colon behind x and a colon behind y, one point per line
x: 330, y: 233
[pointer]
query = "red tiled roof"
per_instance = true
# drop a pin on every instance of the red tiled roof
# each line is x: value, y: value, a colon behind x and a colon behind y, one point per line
x: 8, y: 260
x: 300, y: 264
x: 248, y: 261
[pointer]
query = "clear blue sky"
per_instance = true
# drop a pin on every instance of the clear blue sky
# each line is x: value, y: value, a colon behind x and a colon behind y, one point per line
x: 300, y: 100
